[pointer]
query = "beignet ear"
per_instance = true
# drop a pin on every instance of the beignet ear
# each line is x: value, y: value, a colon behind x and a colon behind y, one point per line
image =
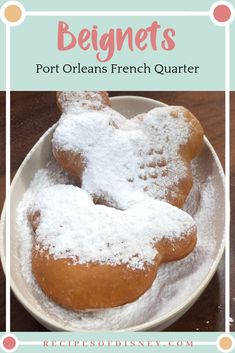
x: 86, y: 100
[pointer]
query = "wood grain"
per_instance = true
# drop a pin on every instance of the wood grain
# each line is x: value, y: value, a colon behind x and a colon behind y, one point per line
x: 34, y: 112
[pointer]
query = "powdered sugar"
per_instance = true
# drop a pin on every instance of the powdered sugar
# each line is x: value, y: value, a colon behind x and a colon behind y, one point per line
x: 175, y: 281
x: 72, y: 226
x: 82, y: 100
x: 140, y: 155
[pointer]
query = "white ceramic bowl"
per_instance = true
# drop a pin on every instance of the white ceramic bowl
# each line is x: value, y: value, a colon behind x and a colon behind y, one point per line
x: 39, y: 156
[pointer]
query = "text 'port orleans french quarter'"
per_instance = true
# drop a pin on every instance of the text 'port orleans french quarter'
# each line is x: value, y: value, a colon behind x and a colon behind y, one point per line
x: 113, y: 68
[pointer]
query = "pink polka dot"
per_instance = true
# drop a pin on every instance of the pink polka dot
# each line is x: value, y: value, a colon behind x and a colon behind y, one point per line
x: 9, y: 343
x: 222, y: 13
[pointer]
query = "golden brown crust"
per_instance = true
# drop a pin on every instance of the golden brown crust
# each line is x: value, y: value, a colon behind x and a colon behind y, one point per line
x: 89, y: 286
x: 195, y: 142
x: 74, y: 163
x: 95, y: 285
x: 177, y: 195
x: 174, y: 250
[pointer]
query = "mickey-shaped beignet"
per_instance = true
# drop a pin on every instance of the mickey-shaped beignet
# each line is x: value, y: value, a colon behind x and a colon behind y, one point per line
x: 87, y: 256
x: 111, y: 155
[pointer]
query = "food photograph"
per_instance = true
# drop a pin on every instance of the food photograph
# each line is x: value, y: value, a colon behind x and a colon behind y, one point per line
x: 117, y: 211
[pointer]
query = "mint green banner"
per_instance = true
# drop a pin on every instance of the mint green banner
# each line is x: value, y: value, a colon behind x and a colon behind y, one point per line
x: 107, y: 5
x: 196, y: 63
x: 130, y: 343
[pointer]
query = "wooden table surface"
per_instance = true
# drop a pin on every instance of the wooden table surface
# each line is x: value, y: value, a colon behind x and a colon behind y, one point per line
x: 34, y: 112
